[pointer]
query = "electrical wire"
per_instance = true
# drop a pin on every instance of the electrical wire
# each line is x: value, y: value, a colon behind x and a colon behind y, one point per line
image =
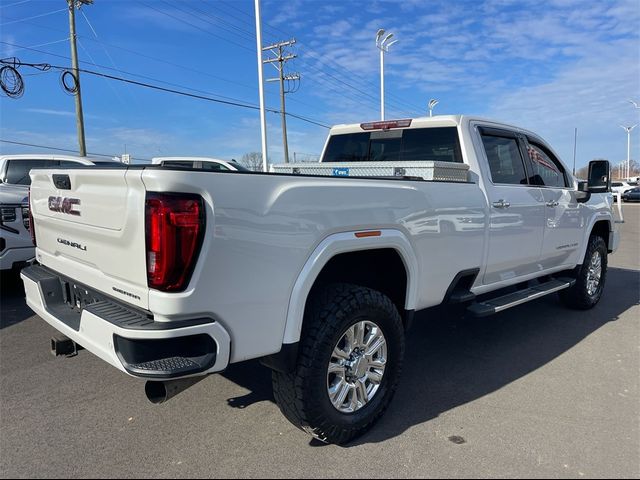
x: 174, y: 91
x: 47, y: 147
x: 31, y: 18
x: 15, y: 3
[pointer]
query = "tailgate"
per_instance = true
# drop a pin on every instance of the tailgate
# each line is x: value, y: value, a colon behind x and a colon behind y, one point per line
x: 89, y: 225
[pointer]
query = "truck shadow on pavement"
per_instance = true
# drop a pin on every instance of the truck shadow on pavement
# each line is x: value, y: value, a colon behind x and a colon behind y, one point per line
x: 12, y: 303
x: 453, y: 359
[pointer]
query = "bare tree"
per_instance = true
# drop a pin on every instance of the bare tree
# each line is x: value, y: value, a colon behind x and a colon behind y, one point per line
x: 252, y: 160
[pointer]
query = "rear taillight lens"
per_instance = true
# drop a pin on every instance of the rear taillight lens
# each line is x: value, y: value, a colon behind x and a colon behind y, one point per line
x: 32, y: 226
x: 175, y: 224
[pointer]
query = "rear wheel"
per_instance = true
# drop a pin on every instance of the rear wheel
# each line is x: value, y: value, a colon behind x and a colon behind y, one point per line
x: 348, y: 366
x: 590, y: 279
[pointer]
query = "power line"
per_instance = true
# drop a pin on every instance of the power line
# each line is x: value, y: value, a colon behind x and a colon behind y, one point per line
x: 356, y: 96
x: 120, y: 71
x: 208, y: 32
x: 363, y: 95
x: 177, y: 92
x: 318, y: 56
x: 31, y: 18
x: 47, y: 147
x: 14, y: 4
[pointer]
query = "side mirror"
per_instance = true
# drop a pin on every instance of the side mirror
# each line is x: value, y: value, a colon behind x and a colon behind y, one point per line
x: 583, y: 195
x: 599, y: 179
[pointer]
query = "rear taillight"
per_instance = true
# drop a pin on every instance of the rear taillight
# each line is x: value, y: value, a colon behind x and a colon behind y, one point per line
x: 32, y: 226
x: 175, y: 224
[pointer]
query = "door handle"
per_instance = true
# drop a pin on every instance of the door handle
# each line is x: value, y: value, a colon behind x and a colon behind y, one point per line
x: 553, y: 204
x: 501, y: 204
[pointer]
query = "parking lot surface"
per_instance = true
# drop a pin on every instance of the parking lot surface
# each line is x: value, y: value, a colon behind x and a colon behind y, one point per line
x: 536, y: 391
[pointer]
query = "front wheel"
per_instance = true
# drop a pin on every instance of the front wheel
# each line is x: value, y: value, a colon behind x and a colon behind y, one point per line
x: 590, y: 279
x: 349, y: 363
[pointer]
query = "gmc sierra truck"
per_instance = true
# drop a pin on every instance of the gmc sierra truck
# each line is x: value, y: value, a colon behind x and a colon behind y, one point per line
x: 170, y: 274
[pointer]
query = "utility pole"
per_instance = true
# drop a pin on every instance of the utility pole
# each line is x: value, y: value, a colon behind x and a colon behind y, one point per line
x: 73, y: 4
x: 263, y: 119
x: 281, y: 57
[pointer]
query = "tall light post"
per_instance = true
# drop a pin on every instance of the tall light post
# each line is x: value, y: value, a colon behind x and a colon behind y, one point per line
x: 628, y: 167
x: 432, y: 104
x: 383, y: 44
x: 263, y: 119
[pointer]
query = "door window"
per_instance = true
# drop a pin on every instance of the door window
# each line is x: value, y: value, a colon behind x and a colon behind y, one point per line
x: 505, y: 160
x: 547, y: 170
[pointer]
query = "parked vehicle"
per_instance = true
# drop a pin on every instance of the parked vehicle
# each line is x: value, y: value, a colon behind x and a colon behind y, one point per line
x: 16, y: 247
x: 620, y: 187
x: 170, y: 274
x: 200, y: 163
x: 632, y: 195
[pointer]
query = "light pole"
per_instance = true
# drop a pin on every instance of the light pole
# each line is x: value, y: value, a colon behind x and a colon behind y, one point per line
x: 383, y: 45
x: 628, y: 167
x: 432, y: 103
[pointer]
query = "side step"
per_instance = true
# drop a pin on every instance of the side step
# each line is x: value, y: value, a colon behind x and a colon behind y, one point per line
x: 498, y: 304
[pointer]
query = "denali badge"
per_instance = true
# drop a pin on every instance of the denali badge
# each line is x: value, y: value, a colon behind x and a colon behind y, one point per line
x: 72, y: 244
x: 64, y: 205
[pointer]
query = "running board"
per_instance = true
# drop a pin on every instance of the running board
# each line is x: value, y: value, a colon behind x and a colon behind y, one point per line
x: 498, y: 304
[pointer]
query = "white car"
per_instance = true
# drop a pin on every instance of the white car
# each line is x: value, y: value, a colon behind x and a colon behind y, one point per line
x: 16, y: 247
x: 200, y: 163
x: 620, y: 187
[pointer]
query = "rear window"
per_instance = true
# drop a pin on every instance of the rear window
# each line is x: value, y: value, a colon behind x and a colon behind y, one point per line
x: 17, y: 172
x: 417, y: 144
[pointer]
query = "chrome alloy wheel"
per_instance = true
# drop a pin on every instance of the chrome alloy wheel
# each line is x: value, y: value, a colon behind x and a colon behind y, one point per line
x: 594, y: 273
x: 356, y: 367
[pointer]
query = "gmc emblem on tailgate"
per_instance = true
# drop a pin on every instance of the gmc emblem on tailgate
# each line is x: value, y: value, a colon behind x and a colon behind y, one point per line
x: 64, y: 205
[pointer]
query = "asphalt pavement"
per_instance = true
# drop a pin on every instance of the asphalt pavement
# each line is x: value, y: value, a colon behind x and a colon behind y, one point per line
x: 536, y: 391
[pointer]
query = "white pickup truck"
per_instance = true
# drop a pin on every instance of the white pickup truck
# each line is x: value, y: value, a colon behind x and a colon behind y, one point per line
x: 170, y: 274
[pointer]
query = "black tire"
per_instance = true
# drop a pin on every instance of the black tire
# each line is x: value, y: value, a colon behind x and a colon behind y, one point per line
x: 578, y: 296
x: 302, y: 394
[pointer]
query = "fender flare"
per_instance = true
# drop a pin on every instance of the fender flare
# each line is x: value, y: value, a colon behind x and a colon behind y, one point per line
x: 345, y: 242
x: 603, y: 217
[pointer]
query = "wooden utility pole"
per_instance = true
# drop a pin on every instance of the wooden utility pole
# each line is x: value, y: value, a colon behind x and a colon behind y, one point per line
x: 279, y: 60
x: 76, y: 73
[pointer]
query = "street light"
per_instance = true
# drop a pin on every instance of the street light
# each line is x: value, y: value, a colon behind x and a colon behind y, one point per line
x: 383, y: 45
x: 432, y: 103
x: 628, y: 130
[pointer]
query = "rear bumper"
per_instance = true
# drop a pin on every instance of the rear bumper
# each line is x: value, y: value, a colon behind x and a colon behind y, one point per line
x: 128, y: 339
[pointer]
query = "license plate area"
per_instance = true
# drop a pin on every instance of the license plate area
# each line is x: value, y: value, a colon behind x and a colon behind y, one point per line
x: 76, y: 296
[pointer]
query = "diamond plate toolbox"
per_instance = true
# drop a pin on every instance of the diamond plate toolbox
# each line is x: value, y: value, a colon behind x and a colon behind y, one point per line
x: 428, y: 170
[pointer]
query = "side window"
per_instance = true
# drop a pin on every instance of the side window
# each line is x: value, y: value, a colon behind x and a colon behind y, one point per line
x: 505, y: 161
x: 547, y: 171
x: 213, y: 166
x: 178, y: 163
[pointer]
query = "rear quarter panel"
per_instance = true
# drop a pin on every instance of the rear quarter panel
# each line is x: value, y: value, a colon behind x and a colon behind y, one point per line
x: 262, y: 229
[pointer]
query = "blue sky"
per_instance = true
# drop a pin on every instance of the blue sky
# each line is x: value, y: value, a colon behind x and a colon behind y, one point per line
x: 549, y: 66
